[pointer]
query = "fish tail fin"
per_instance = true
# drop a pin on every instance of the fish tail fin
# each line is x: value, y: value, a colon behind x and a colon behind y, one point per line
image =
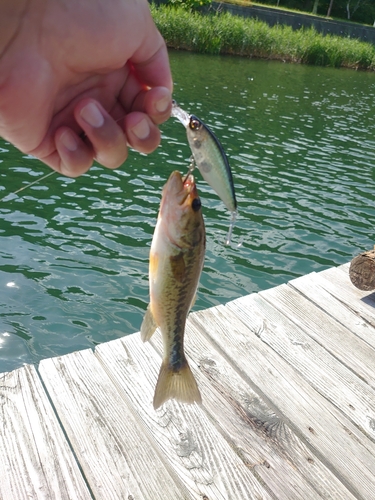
x: 148, y: 325
x: 180, y: 385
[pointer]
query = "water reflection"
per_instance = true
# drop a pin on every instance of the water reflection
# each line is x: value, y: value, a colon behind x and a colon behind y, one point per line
x: 300, y: 142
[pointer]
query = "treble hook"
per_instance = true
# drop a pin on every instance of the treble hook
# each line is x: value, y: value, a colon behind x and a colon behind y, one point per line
x: 191, y: 168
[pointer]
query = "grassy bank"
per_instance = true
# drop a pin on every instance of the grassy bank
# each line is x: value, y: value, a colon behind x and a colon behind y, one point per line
x: 228, y: 34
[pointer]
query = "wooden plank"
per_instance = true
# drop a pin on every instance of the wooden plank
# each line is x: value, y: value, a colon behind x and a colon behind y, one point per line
x: 337, y: 282
x: 115, y: 453
x: 260, y: 437
x: 325, y: 330
x: 204, y: 461
x: 324, y: 372
x: 311, y: 287
x: 339, y: 277
x: 325, y: 430
x: 36, y: 461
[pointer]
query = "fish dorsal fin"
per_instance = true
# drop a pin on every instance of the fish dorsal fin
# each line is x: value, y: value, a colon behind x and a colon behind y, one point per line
x: 178, y: 266
x: 148, y: 326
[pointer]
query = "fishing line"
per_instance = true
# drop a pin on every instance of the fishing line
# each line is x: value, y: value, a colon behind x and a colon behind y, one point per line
x: 28, y: 185
x: 83, y: 136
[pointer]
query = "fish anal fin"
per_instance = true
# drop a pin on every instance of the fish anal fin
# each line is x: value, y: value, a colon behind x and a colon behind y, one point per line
x: 148, y: 325
x: 180, y: 385
x: 178, y: 266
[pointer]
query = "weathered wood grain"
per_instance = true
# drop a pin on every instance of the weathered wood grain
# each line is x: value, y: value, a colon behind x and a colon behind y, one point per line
x: 350, y: 316
x: 36, y: 461
x: 337, y: 383
x: 115, y: 452
x: 328, y: 433
x: 336, y: 281
x: 287, y: 379
x: 262, y: 439
x: 195, y: 449
x: 330, y: 334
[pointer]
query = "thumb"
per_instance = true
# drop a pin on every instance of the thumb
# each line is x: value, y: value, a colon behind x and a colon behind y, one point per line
x: 150, y: 65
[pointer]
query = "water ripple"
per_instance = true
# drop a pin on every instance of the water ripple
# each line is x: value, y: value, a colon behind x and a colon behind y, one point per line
x: 300, y: 142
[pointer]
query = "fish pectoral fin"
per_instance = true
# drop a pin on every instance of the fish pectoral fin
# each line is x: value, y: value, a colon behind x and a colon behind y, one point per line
x: 148, y: 326
x: 180, y: 385
x: 178, y: 266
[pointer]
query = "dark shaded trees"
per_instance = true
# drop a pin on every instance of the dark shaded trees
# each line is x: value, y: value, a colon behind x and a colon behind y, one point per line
x: 360, y: 11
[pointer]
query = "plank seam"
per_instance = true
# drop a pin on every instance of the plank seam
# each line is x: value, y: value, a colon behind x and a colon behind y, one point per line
x: 339, y: 360
x: 142, y: 425
x: 330, y: 353
x: 225, y: 435
x: 64, y: 433
x: 327, y: 311
x: 313, y: 449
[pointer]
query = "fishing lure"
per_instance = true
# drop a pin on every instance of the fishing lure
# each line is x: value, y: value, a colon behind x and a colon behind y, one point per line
x: 211, y: 160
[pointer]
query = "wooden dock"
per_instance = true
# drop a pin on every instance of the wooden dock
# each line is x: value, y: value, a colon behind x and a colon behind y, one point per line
x: 288, y: 385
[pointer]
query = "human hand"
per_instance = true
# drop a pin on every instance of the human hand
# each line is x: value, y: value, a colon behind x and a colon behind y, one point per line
x: 81, y: 80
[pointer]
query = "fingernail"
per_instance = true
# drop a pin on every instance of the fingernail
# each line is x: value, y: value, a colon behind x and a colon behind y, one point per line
x: 162, y: 104
x: 92, y: 115
x: 142, y: 129
x: 69, y: 141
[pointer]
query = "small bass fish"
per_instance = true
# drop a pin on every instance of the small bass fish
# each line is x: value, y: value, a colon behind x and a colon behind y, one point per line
x: 176, y: 262
x: 210, y: 159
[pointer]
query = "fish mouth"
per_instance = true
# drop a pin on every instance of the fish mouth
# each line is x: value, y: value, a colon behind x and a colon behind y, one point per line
x: 179, y: 209
x: 189, y: 187
x: 189, y: 192
x: 180, y: 189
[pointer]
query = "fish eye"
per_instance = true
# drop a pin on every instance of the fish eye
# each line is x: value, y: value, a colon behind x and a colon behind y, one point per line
x: 194, y: 123
x: 196, y: 204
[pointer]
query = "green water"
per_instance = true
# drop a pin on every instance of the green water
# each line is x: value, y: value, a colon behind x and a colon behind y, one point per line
x: 74, y: 253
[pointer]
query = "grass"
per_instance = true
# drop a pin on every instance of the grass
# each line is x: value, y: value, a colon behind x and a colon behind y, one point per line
x: 228, y: 34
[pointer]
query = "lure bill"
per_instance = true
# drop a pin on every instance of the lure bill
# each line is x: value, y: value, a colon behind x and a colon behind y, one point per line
x: 180, y: 114
x: 211, y: 160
